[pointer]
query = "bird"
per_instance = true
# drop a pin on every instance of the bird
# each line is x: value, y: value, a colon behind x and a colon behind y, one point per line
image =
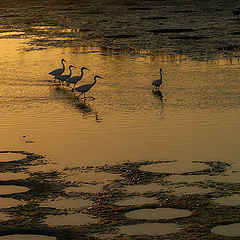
x: 74, y: 80
x: 86, y: 87
x: 63, y: 78
x: 59, y: 71
x: 157, y: 83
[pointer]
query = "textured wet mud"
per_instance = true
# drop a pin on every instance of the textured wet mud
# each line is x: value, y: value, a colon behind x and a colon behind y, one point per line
x: 30, y: 217
x: 141, y: 25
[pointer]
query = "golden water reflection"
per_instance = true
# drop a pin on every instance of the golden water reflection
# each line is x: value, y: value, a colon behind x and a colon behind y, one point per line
x: 195, y: 117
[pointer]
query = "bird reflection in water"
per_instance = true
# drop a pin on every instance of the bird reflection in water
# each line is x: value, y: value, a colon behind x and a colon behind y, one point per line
x: 158, y: 94
x: 82, y: 105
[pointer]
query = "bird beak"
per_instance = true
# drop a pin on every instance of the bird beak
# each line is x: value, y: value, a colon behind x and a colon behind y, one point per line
x: 87, y: 69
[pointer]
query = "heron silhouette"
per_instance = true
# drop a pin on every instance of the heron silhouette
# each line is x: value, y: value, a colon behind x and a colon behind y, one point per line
x: 74, y: 80
x: 157, y: 83
x: 59, y: 71
x: 86, y: 87
x: 63, y: 78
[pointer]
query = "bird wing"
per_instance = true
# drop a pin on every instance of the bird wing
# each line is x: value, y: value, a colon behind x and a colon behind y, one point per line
x: 156, y: 82
x: 56, y: 72
x: 74, y: 79
x: 83, y: 88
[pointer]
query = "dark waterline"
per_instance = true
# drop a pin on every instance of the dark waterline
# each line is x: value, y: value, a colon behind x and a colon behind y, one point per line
x: 197, y: 29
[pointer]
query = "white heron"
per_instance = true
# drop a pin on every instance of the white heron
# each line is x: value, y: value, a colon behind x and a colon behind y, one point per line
x: 157, y: 83
x: 63, y: 78
x: 59, y: 71
x: 74, y: 80
x: 86, y: 87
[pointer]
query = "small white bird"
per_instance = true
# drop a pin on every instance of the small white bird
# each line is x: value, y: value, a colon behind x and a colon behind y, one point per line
x: 86, y: 87
x: 74, y: 80
x: 158, y: 83
x: 59, y: 71
x: 63, y: 78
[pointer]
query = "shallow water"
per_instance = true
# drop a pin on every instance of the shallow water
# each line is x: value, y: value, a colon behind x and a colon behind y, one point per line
x: 158, y: 213
x: 231, y: 230
x: 149, y: 229
x: 11, y: 189
x: 196, y: 118
x: 26, y: 237
x: 70, y: 219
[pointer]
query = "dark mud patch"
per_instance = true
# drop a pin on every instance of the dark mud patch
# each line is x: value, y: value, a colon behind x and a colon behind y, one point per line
x: 189, y: 37
x: 120, y: 36
x: 172, y: 30
x: 139, y: 9
x: 110, y: 217
x: 154, y: 18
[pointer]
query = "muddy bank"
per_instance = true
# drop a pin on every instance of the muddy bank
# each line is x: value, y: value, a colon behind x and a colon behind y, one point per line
x: 143, y: 25
x: 31, y: 217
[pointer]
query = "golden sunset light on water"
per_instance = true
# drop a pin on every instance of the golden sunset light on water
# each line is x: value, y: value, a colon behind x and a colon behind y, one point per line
x: 126, y: 159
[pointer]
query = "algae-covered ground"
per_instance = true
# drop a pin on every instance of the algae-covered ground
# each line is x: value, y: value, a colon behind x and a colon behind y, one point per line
x: 105, y: 216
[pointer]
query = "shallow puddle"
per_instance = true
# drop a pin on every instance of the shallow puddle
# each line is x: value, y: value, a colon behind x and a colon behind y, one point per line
x: 149, y: 229
x: 27, y: 237
x: 89, y: 177
x: 136, y: 201
x: 187, y: 178
x: 70, y: 219
x: 190, y: 190
x: 158, y: 213
x: 9, y: 202
x: 174, y: 167
x: 3, y: 217
x: 11, y: 189
x: 231, y: 230
x: 67, y: 203
x: 86, y: 188
x: 233, y: 200
x: 7, y: 157
x: 12, y: 176
x: 152, y: 187
x: 44, y: 168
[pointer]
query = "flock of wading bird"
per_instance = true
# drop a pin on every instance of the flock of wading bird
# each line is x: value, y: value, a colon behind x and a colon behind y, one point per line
x: 71, y: 81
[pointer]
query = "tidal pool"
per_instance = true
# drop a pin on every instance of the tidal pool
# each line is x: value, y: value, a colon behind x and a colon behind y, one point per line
x: 70, y: 219
x: 158, y: 213
x: 86, y: 188
x: 27, y: 237
x: 13, y: 176
x: 149, y: 229
x: 91, y: 176
x: 233, y: 200
x: 190, y: 190
x: 174, y: 167
x: 188, y: 178
x: 136, y: 201
x: 67, y: 203
x: 9, y: 202
x: 151, y: 187
x: 7, y: 157
x: 231, y: 230
x: 12, y: 189
x: 4, y: 217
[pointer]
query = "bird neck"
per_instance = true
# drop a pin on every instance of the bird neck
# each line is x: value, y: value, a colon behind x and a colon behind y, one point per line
x: 63, y: 65
x: 81, y: 73
x: 95, y: 80
x: 160, y: 75
x: 70, y: 72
